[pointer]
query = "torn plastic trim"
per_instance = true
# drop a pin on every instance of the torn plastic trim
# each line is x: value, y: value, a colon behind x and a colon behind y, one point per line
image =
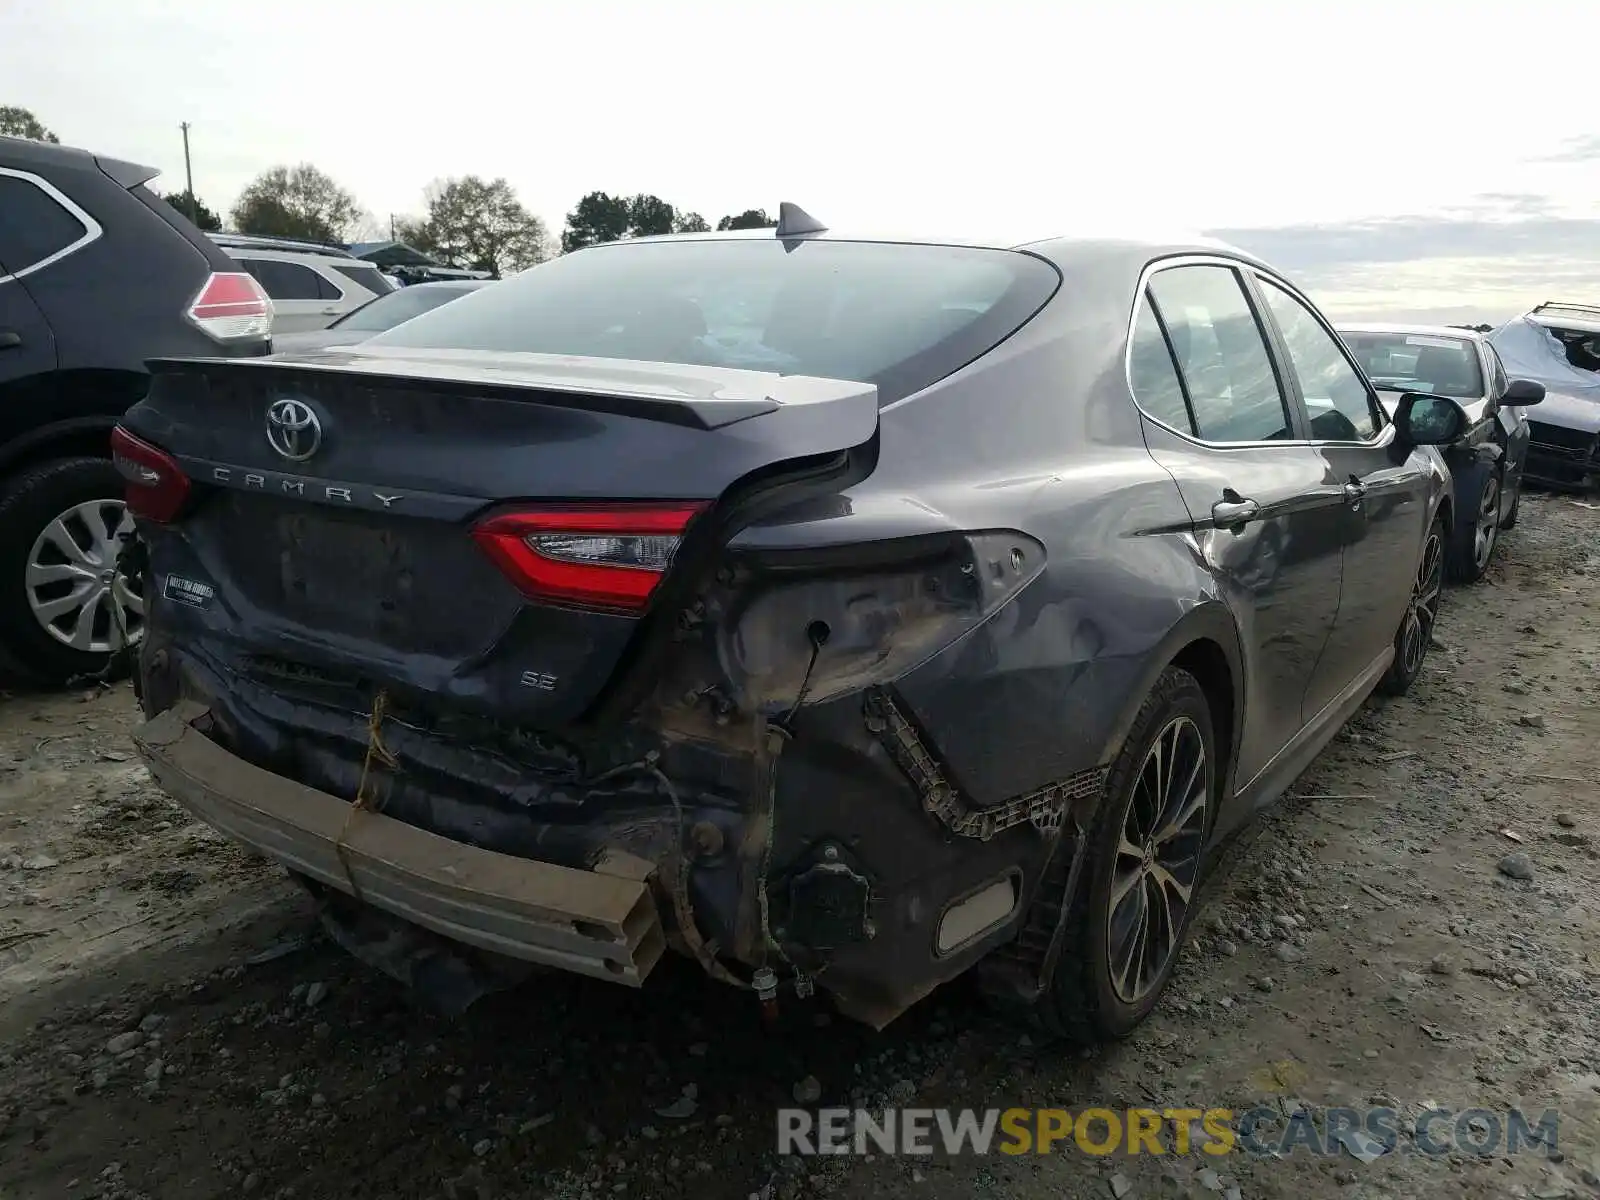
x: 1044, y: 808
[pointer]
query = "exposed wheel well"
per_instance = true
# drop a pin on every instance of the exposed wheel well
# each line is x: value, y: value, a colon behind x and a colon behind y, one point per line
x: 83, y: 406
x: 90, y: 442
x: 1205, y: 660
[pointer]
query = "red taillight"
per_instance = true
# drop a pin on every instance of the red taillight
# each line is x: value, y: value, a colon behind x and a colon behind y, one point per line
x: 157, y: 486
x: 232, y: 308
x: 608, y: 556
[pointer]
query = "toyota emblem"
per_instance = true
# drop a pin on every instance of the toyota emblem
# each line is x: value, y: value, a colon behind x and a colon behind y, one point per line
x: 293, y: 429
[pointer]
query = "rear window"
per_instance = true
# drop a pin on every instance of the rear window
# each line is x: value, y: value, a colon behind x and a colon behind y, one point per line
x: 368, y: 277
x: 896, y: 315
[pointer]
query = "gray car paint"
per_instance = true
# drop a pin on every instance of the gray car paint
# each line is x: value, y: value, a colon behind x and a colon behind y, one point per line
x: 1288, y: 620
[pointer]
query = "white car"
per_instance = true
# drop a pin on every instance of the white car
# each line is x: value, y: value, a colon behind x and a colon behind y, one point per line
x: 311, y: 286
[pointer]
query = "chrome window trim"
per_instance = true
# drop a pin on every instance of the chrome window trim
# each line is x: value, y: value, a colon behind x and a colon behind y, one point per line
x: 91, y: 228
x: 1382, y: 439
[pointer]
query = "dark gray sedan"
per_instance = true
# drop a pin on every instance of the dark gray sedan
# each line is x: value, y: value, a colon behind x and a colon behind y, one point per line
x: 375, y: 316
x: 1489, y: 460
x: 842, y: 612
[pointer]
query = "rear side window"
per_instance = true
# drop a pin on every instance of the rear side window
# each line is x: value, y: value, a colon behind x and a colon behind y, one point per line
x: 1154, y: 376
x: 896, y: 315
x: 290, y: 281
x: 34, y: 226
x: 1221, y: 354
x: 367, y: 277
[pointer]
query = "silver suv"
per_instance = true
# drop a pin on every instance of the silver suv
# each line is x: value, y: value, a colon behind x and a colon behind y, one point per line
x: 311, y: 285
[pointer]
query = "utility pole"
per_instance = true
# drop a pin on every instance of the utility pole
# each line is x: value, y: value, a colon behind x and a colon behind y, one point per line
x: 391, y: 228
x: 188, y: 172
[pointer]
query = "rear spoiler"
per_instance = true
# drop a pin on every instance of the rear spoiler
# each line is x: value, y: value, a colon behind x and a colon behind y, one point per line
x: 126, y: 174
x: 675, y: 393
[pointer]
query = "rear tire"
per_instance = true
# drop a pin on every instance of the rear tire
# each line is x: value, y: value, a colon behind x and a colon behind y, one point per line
x: 1103, y: 987
x: 1412, y: 639
x: 59, y: 525
x: 1477, y: 531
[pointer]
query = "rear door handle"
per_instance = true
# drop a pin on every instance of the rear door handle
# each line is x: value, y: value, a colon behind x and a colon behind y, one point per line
x: 1234, y: 510
x: 9, y: 339
x: 330, y: 312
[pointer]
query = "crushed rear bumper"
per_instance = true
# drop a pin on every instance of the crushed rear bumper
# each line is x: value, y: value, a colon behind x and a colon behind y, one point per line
x: 602, y: 922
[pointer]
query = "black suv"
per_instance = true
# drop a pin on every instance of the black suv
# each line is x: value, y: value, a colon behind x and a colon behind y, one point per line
x: 97, y: 275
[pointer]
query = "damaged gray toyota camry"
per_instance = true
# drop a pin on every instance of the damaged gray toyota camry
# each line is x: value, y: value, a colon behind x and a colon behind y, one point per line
x: 843, y: 613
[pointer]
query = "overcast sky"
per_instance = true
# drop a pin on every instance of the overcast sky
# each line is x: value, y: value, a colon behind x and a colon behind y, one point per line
x: 1403, y: 156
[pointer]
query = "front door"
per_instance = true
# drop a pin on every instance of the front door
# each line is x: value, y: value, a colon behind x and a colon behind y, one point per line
x: 1384, y: 487
x: 1267, y: 524
x: 34, y: 231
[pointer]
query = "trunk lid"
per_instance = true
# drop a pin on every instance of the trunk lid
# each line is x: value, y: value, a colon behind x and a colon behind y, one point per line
x: 339, y: 548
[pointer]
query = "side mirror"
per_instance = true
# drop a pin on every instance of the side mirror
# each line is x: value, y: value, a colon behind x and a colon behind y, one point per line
x: 1523, y: 392
x: 1425, y: 420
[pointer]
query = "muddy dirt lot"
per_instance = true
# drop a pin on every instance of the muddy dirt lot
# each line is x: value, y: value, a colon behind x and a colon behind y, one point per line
x: 171, y: 1025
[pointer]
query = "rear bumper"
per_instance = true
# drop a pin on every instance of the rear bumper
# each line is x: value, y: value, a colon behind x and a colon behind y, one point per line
x: 602, y: 923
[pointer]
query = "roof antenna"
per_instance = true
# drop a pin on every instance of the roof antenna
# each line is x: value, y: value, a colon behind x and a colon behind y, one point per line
x: 794, y: 221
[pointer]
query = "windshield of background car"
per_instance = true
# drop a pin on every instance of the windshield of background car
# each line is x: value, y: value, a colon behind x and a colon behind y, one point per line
x: 389, y: 310
x: 1416, y: 362
x: 897, y: 315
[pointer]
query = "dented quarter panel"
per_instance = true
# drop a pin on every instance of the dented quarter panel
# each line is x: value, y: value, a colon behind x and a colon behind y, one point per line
x: 1039, y: 691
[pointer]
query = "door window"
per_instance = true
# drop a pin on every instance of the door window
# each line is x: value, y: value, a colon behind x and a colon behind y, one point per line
x: 1338, y: 401
x: 34, y: 226
x: 1222, y: 357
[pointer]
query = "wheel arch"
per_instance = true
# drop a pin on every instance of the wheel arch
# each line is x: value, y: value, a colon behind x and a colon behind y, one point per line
x: 1205, y: 642
x: 90, y: 403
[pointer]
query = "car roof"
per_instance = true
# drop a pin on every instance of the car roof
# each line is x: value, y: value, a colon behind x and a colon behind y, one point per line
x: 1445, y: 331
x: 449, y: 285
x: 280, y: 252
x: 26, y: 152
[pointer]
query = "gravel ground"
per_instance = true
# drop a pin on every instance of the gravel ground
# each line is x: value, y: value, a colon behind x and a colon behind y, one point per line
x: 171, y: 1025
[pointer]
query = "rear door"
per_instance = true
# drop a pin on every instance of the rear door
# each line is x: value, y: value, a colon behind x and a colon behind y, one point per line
x: 1384, y: 489
x: 1268, y: 524
x: 301, y: 298
x: 36, y: 229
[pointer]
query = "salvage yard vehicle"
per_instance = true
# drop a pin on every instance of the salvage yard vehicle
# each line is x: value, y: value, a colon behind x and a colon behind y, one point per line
x: 946, y: 614
x: 1559, y: 345
x: 1487, y: 462
x: 97, y: 274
